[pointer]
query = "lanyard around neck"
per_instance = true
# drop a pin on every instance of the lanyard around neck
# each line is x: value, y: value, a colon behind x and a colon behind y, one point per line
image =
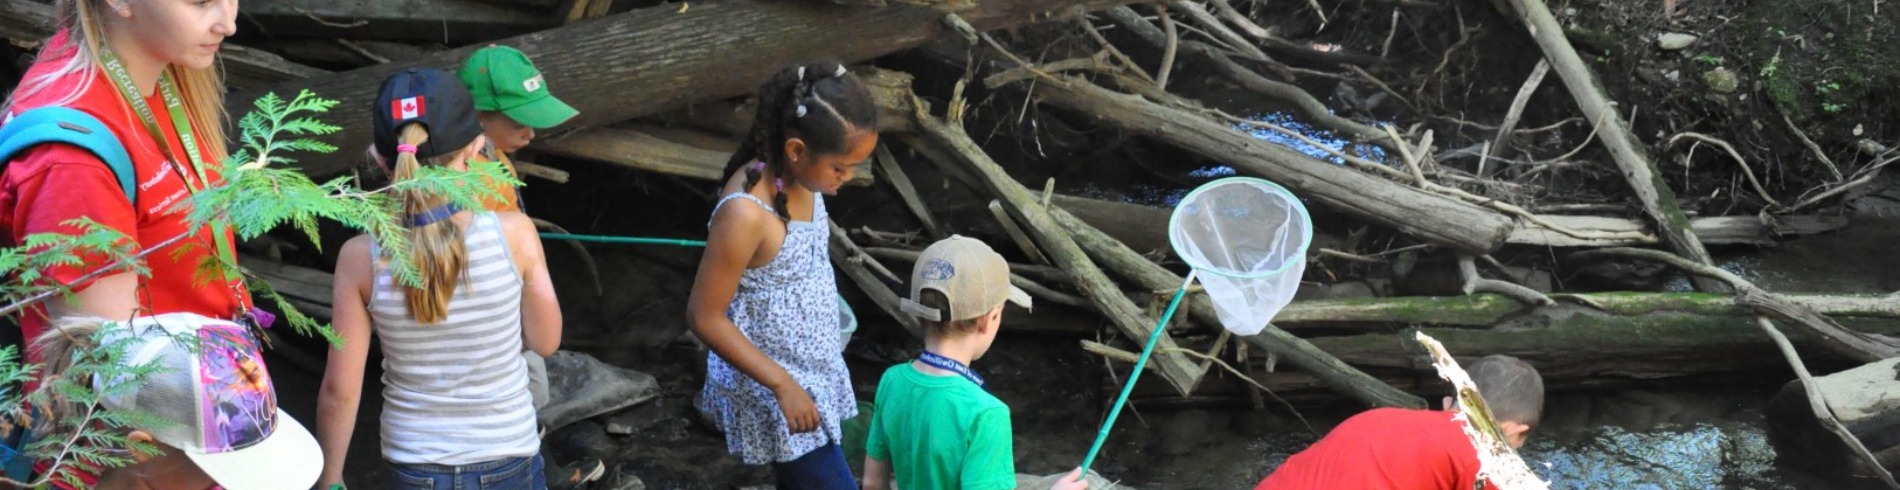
x: 938, y: 361
x: 174, y: 105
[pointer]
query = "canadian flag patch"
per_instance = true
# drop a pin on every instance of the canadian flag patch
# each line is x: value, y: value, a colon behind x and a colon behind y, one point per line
x: 406, y: 109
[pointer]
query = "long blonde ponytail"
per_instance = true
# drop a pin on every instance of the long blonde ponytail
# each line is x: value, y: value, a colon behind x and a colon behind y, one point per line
x: 436, y: 248
x: 85, y: 24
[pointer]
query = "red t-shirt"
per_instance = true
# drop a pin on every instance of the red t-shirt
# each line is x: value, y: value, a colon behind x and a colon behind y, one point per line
x: 43, y: 187
x: 1384, y: 449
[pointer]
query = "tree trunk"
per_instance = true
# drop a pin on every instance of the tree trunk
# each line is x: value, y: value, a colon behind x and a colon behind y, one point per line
x: 452, y: 22
x: 655, y: 59
x: 1432, y: 217
x: 1491, y: 310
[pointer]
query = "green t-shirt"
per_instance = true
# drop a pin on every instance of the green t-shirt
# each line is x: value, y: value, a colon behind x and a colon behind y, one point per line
x: 941, y: 433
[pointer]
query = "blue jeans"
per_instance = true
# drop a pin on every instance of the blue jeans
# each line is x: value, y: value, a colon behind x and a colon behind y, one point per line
x: 821, y: 469
x: 502, y: 474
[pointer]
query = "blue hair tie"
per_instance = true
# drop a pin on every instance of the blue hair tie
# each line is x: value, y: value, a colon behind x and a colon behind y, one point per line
x: 434, y: 216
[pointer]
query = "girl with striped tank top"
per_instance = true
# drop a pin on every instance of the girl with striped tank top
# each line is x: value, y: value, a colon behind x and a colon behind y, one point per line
x: 764, y: 298
x: 456, y: 410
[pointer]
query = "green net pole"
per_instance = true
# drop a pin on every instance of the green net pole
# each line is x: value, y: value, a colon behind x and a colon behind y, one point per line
x: 1141, y: 363
x: 624, y: 239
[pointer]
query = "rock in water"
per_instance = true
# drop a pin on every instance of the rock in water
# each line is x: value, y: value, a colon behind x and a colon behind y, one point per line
x: 580, y: 386
x: 1721, y: 80
x: 1866, y: 399
x: 1673, y: 41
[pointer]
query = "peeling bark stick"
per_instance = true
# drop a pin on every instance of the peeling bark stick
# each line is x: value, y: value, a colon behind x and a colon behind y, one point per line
x: 847, y: 257
x: 1515, y: 113
x: 1659, y: 202
x: 1062, y: 249
x: 900, y: 181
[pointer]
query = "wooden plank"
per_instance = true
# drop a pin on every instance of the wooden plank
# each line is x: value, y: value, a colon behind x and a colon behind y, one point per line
x: 636, y: 147
x: 1722, y: 230
x: 656, y: 59
x: 543, y: 172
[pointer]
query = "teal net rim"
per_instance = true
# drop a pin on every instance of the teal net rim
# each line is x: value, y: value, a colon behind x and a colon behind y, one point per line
x: 1306, y: 219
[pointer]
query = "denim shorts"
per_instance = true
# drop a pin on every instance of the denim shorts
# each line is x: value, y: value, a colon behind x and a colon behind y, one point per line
x: 503, y: 474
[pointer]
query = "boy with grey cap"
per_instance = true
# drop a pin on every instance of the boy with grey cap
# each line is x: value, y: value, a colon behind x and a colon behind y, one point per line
x: 936, y: 427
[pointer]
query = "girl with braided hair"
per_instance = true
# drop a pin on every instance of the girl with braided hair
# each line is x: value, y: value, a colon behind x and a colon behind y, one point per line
x: 764, y: 297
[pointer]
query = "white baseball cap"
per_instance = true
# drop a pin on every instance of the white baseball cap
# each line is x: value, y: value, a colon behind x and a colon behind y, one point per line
x: 212, y: 385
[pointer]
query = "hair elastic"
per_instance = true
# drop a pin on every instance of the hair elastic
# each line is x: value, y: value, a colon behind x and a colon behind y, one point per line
x: 405, y: 148
x: 434, y: 216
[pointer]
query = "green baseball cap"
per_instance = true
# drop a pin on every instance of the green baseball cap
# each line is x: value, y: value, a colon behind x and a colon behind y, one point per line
x: 502, y: 79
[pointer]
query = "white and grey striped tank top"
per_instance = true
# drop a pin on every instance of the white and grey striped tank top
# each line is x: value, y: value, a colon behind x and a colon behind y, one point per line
x: 456, y: 392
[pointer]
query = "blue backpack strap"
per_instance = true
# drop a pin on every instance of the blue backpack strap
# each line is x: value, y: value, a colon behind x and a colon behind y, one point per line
x: 70, y: 126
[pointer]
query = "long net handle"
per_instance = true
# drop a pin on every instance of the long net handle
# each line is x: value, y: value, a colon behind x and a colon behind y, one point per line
x: 1140, y: 364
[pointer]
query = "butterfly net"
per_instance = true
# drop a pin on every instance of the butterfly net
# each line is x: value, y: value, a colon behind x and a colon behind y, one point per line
x: 1247, y: 238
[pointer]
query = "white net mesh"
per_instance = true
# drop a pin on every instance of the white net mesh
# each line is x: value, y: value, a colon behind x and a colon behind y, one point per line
x: 1248, y: 239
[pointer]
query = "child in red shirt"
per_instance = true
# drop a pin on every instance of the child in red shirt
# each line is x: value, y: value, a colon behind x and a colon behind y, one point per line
x: 1404, y: 449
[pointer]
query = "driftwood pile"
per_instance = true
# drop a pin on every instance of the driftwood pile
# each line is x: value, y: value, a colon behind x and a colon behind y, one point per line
x: 661, y: 88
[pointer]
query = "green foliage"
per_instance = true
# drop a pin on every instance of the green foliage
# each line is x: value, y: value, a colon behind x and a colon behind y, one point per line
x: 1823, y: 56
x: 1710, y: 60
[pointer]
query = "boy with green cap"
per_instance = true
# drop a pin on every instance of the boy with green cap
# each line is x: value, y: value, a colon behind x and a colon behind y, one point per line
x: 936, y: 426
x: 512, y: 101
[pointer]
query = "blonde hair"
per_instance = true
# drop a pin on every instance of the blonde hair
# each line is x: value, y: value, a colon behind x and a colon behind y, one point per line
x: 84, y: 23
x: 60, y: 346
x: 437, y: 249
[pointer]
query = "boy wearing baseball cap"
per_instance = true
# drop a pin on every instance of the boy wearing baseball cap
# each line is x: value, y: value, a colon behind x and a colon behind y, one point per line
x: 512, y: 102
x: 936, y: 426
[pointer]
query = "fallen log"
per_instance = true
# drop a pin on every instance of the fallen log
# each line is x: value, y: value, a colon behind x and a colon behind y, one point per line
x: 651, y: 60
x: 643, y: 147
x: 1586, y: 349
x: 1723, y: 230
x: 1432, y: 217
x: 1494, y: 311
x: 1141, y: 227
x: 1659, y: 202
x: 30, y: 23
x: 1180, y: 372
x: 453, y: 22
x: 1840, y: 340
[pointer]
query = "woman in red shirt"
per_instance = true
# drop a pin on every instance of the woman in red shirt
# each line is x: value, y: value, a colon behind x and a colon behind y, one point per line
x: 147, y: 70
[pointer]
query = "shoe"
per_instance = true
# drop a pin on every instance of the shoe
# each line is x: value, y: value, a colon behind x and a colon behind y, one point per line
x: 576, y: 475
